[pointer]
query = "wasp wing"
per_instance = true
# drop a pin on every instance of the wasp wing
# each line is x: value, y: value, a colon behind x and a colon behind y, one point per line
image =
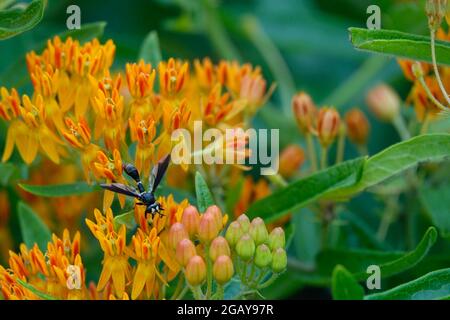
x: 158, y: 172
x: 121, y: 188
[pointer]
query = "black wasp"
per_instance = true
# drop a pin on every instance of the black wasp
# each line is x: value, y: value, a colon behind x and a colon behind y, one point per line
x: 146, y: 198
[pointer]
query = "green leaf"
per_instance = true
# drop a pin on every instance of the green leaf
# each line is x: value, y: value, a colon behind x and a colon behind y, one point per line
x: 399, y: 44
x: 86, y: 33
x: 150, y: 50
x: 304, y: 191
x: 60, y: 190
x: 40, y: 294
x: 33, y: 229
x: 434, y: 285
x: 357, y: 261
x: 436, y: 202
x: 126, y: 218
x: 344, y: 286
x: 16, y: 20
x: 397, y: 158
x: 362, y: 229
x: 204, y: 196
x: 232, y: 195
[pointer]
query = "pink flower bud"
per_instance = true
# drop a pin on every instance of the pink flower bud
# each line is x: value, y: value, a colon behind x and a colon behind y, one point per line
x: 190, y: 219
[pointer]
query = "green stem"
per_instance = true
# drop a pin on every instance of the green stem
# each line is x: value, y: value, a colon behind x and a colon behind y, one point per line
x: 277, y: 180
x: 178, y: 288
x: 182, y: 293
x: 274, y: 60
x: 197, y: 293
x: 311, y: 151
x: 399, y: 123
x: 209, y: 275
x: 435, y: 67
x: 324, y: 158
x: 425, y: 124
x: 268, y: 282
x: 216, y: 32
x: 340, y: 146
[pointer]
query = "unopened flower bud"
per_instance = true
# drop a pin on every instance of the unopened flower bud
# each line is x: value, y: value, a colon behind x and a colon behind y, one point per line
x: 277, y: 239
x: 384, y: 102
x: 291, y: 158
x: 195, y: 271
x: 234, y: 233
x: 177, y: 233
x: 207, y: 227
x: 219, y: 247
x: 223, y: 269
x: 279, y: 260
x: 357, y: 126
x: 244, y: 222
x: 436, y: 10
x: 190, y: 219
x: 217, y: 213
x: 304, y: 111
x: 185, y: 251
x: 328, y: 124
x: 258, y: 231
x: 245, y: 247
x: 263, y: 256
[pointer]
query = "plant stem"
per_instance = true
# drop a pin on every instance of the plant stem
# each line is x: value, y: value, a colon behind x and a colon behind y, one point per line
x: 435, y: 67
x: 324, y: 158
x: 311, y: 151
x: 430, y: 95
x: 277, y: 180
x: 268, y: 282
x: 197, y: 292
x: 425, y: 124
x: 340, y: 146
x: 182, y: 293
x: 209, y: 275
x: 274, y: 60
x: 178, y: 288
x: 399, y: 123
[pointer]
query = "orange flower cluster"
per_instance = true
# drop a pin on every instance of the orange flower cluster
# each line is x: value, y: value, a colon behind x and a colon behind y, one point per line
x: 78, y: 105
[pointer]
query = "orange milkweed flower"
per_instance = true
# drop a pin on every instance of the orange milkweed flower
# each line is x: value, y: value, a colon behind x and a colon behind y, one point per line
x: 173, y: 76
x: 112, y: 242
x: 79, y: 137
x: 111, y: 170
x: 148, y: 250
x: 29, y: 131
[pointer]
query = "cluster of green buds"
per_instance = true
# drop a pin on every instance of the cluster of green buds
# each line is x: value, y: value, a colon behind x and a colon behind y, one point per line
x: 210, y: 254
x: 259, y: 257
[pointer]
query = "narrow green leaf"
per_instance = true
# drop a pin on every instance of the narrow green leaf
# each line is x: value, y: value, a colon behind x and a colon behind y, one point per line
x: 86, y: 33
x: 434, y: 285
x: 40, y: 294
x: 306, y: 190
x: 397, y: 158
x: 204, y: 196
x: 126, y: 218
x: 33, y: 229
x: 399, y: 44
x: 16, y: 20
x: 436, y: 202
x: 344, y: 286
x: 357, y: 261
x: 150, y: 50
x: 60, y: 190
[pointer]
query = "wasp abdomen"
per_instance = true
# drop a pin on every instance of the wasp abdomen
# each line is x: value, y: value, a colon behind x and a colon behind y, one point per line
x: 131, y: 171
